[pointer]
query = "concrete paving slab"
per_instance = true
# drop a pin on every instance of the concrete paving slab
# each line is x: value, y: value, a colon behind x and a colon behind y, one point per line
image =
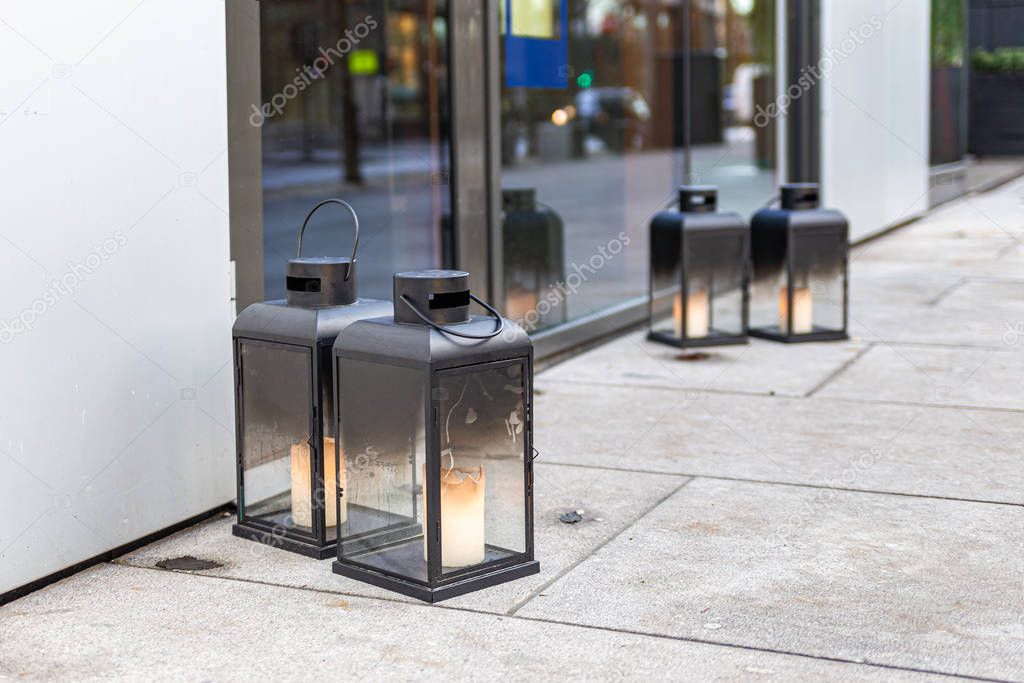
x: 137, y: 624
x: 906, y: 303
x: 759, y: 367
x: 610, y: 501
x: 896, y: 285
x: 1007, y: 262
x: 908, y: 449
x: 1006, y: 296
x: 923, y: 583
x: 930, y: 326
x: 1010, y: 264
x: 935, y: 376
x: 954, y: 254
x: 997, y: 216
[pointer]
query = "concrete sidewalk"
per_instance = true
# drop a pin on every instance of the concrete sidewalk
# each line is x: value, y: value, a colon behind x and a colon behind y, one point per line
x: 848, y: 511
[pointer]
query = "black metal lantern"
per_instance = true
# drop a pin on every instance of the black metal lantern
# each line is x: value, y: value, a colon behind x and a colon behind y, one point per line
x: 533, y: 253
x: 436, y: 438
x: 698, y: 275
x: 799, y: 254
x: 284, y: 402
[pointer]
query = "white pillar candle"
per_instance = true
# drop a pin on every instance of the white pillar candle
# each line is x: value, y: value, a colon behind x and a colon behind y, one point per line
x: 519, y: 301
x: 462, y: 517
x: 803, y: 307
x: 697, y: 314
x: 302, y: 504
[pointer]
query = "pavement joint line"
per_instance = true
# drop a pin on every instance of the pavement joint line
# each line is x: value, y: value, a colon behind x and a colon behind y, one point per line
x: 1006, y: 251
x: 769, y: 650
x: 593, y: 551
x: 555, y: 622
x: 914, y: 404
x: 665, y: 387
x: 993, y: 279
x: 945, y: 345
x: 946, y: 292
x: 772, y: 482
x: 846, y: 365
x: 794, y: 397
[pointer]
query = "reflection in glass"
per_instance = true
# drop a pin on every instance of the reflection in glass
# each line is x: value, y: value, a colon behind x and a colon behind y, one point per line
x: 948, y: 82
x: 382, y: 439
x: 275, y: 398
x: 606, y: 151
x: 535, y: 18
x: 482, y: 450
x: 356, y: 95
x: 533, y: 250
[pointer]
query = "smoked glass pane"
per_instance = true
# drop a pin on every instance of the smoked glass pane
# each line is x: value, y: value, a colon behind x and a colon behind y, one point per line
x: 482, y: 470
x: 666, y: 278
x: 383, y: 454
x: 818, y: 263
x: 276, y: 465
x: 715, y: 286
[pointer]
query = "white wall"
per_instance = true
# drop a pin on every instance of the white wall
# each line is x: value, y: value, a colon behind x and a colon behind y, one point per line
x: 875, y: 112
x: 115, y: 412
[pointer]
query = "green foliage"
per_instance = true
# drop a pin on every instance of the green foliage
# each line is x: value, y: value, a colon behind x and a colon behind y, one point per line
x: 1001, y: 60
x: 762, y: 24
x: 948, y: 32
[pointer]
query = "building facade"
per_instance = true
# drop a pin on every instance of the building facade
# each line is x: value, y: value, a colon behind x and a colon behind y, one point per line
x: 165, y: 153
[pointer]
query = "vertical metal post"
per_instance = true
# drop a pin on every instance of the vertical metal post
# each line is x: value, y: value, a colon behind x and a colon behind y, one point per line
x: 245, y: 182
x: 493, y: 45
x: 803, y: 122
x: 469, y: 140
x: 687, y: 95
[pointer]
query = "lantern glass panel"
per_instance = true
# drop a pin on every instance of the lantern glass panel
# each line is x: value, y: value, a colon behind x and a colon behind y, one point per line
x: 277, y: 468
x: 482, y: 465
x: 769, y: 282
x: 666, y: 281
x: 714, y: 289
x: 327, y: 494
x: 383, y: 454
x: 818, y: 281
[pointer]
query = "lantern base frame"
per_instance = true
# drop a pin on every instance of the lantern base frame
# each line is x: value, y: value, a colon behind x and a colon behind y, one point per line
x: 293, y: 545
x: 438, y: 593
x: 713, y: 338
x: 817, y: 335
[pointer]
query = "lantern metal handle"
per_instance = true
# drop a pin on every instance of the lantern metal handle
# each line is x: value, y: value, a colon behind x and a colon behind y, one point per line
x: 355, y: 219
x: 447, y: 330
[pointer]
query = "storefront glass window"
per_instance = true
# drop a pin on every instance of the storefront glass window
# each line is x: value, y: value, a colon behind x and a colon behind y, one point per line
x: 602, y: 147
x: 355, y: 105
x: 948, y: 82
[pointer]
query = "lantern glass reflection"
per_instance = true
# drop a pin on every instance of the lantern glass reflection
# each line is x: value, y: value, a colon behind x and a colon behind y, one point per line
x: 481, y: 466
x: 533, y: 259
x: 275, y: 404
x: 384, y: 454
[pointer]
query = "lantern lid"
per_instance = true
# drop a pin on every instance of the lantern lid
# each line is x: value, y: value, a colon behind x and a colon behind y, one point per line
x: 323, y: 280
x: 315, y: 281
x: 698, y: 198
x: 799, y: 196
x: 440, y: 295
